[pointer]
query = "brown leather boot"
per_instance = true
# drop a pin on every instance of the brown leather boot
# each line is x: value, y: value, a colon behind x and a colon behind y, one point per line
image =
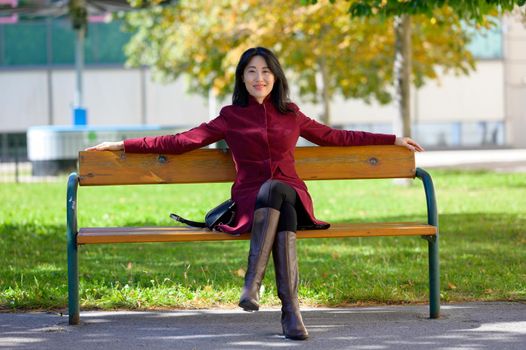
x: 261, y: 241
x: 286, y: 265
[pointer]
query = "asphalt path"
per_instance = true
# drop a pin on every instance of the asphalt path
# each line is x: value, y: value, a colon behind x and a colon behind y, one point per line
x: 462, y: 326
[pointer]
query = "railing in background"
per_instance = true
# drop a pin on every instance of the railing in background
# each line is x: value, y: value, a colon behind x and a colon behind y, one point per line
x: 13, y: 157
x: 53, y: 155
x: 14, y: 164
x: 49, y: 153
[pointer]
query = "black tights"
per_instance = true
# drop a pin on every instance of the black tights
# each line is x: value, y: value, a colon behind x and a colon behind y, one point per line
x: 280, y: 196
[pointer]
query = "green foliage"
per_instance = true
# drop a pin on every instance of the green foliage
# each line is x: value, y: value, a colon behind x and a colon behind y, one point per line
x: 203, y: 40
x: 78, y: 13
x: 482, y: 246
x: 465, y: 9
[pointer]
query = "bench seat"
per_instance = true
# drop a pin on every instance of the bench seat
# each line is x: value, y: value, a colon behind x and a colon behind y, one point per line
x: 99, y: 235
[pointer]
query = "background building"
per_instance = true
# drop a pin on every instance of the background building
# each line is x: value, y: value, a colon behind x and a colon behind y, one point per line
x: 37, y: 81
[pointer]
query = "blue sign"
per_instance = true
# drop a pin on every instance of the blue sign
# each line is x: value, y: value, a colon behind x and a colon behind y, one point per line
x: 80, y: 116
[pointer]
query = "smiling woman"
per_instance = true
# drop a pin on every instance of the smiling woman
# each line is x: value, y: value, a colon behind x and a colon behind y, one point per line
x: 258, y: 78
x: 259, y: 67
x: 261, y: 128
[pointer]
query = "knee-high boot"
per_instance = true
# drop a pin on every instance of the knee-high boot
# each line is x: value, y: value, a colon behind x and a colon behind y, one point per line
x: 286, y: 265
x: 261, y: 241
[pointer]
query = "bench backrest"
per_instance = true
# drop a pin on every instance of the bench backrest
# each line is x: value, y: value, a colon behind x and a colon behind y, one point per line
x: 215, y: 165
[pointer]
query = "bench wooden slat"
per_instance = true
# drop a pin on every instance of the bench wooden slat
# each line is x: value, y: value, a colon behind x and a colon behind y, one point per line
x: 214, y: 165
x: 100, y: 235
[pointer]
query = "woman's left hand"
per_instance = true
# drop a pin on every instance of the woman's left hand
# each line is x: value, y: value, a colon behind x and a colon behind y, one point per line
x: 409, y: 143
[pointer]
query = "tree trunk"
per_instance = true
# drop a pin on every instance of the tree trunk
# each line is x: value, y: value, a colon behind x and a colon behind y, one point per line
x: 402, y: 73
x: 326, y: 114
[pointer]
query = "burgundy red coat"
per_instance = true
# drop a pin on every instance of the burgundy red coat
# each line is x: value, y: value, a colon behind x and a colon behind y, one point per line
x: 262, y: 142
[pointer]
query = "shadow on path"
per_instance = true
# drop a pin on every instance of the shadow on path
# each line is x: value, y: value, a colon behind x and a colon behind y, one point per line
x: 463, y: 326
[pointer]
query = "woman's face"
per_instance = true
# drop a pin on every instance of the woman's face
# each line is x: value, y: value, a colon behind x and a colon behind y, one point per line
x: 258, y: 78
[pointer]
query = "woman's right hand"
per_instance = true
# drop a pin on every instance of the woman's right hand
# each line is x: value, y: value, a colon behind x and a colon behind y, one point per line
x: 409, y: 143
x: 107, y: 146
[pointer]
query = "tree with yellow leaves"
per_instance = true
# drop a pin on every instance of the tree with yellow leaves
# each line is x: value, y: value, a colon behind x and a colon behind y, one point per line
x: 325, y: 51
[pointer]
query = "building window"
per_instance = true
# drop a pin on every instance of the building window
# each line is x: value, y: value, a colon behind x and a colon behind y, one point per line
x: 52, y: 42
x: 486, y: 44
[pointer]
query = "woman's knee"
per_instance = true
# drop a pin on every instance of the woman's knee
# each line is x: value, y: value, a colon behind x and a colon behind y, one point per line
x: 273, y: 193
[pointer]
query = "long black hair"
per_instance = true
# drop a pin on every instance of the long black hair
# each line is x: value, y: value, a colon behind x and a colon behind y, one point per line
x: 280, y: 91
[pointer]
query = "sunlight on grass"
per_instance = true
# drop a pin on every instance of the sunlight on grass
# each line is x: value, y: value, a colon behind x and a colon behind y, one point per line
x: 482, y: 249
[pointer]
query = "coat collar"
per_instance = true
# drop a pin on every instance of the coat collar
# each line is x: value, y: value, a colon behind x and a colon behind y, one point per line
x: 253, y: 102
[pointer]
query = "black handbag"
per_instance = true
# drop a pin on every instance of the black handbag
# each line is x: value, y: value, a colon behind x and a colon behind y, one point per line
x: 224, y: 213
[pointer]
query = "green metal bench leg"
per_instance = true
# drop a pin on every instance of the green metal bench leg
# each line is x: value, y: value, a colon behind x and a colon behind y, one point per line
x: 73, y: 274
x: 434, y: 263
x: 434, y: 279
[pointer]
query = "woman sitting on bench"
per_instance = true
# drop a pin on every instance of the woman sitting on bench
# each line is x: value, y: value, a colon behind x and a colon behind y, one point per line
x: 261, y: 128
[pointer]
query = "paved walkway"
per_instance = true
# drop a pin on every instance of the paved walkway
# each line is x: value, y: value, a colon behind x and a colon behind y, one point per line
x: 497, y: 159
x: 499, y: 326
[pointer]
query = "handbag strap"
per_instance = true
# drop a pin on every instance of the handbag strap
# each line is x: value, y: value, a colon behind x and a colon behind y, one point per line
x: 187, y: 222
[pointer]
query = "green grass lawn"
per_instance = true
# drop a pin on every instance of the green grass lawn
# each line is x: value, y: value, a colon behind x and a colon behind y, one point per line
x: 482, y: 246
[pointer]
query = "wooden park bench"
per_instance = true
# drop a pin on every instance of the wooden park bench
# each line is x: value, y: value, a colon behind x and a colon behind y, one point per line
x: 215, y: 165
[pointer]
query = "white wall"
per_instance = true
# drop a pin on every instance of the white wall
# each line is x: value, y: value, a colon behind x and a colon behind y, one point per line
x: 23, y: 100
x: 110, y: 96
x: 169, y: 104
x: 515, y: 79
x: 115, y: 96
x: 478, y: 96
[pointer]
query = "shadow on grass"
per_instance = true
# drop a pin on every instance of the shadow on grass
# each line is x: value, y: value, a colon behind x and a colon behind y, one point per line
x: 483, y: 257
